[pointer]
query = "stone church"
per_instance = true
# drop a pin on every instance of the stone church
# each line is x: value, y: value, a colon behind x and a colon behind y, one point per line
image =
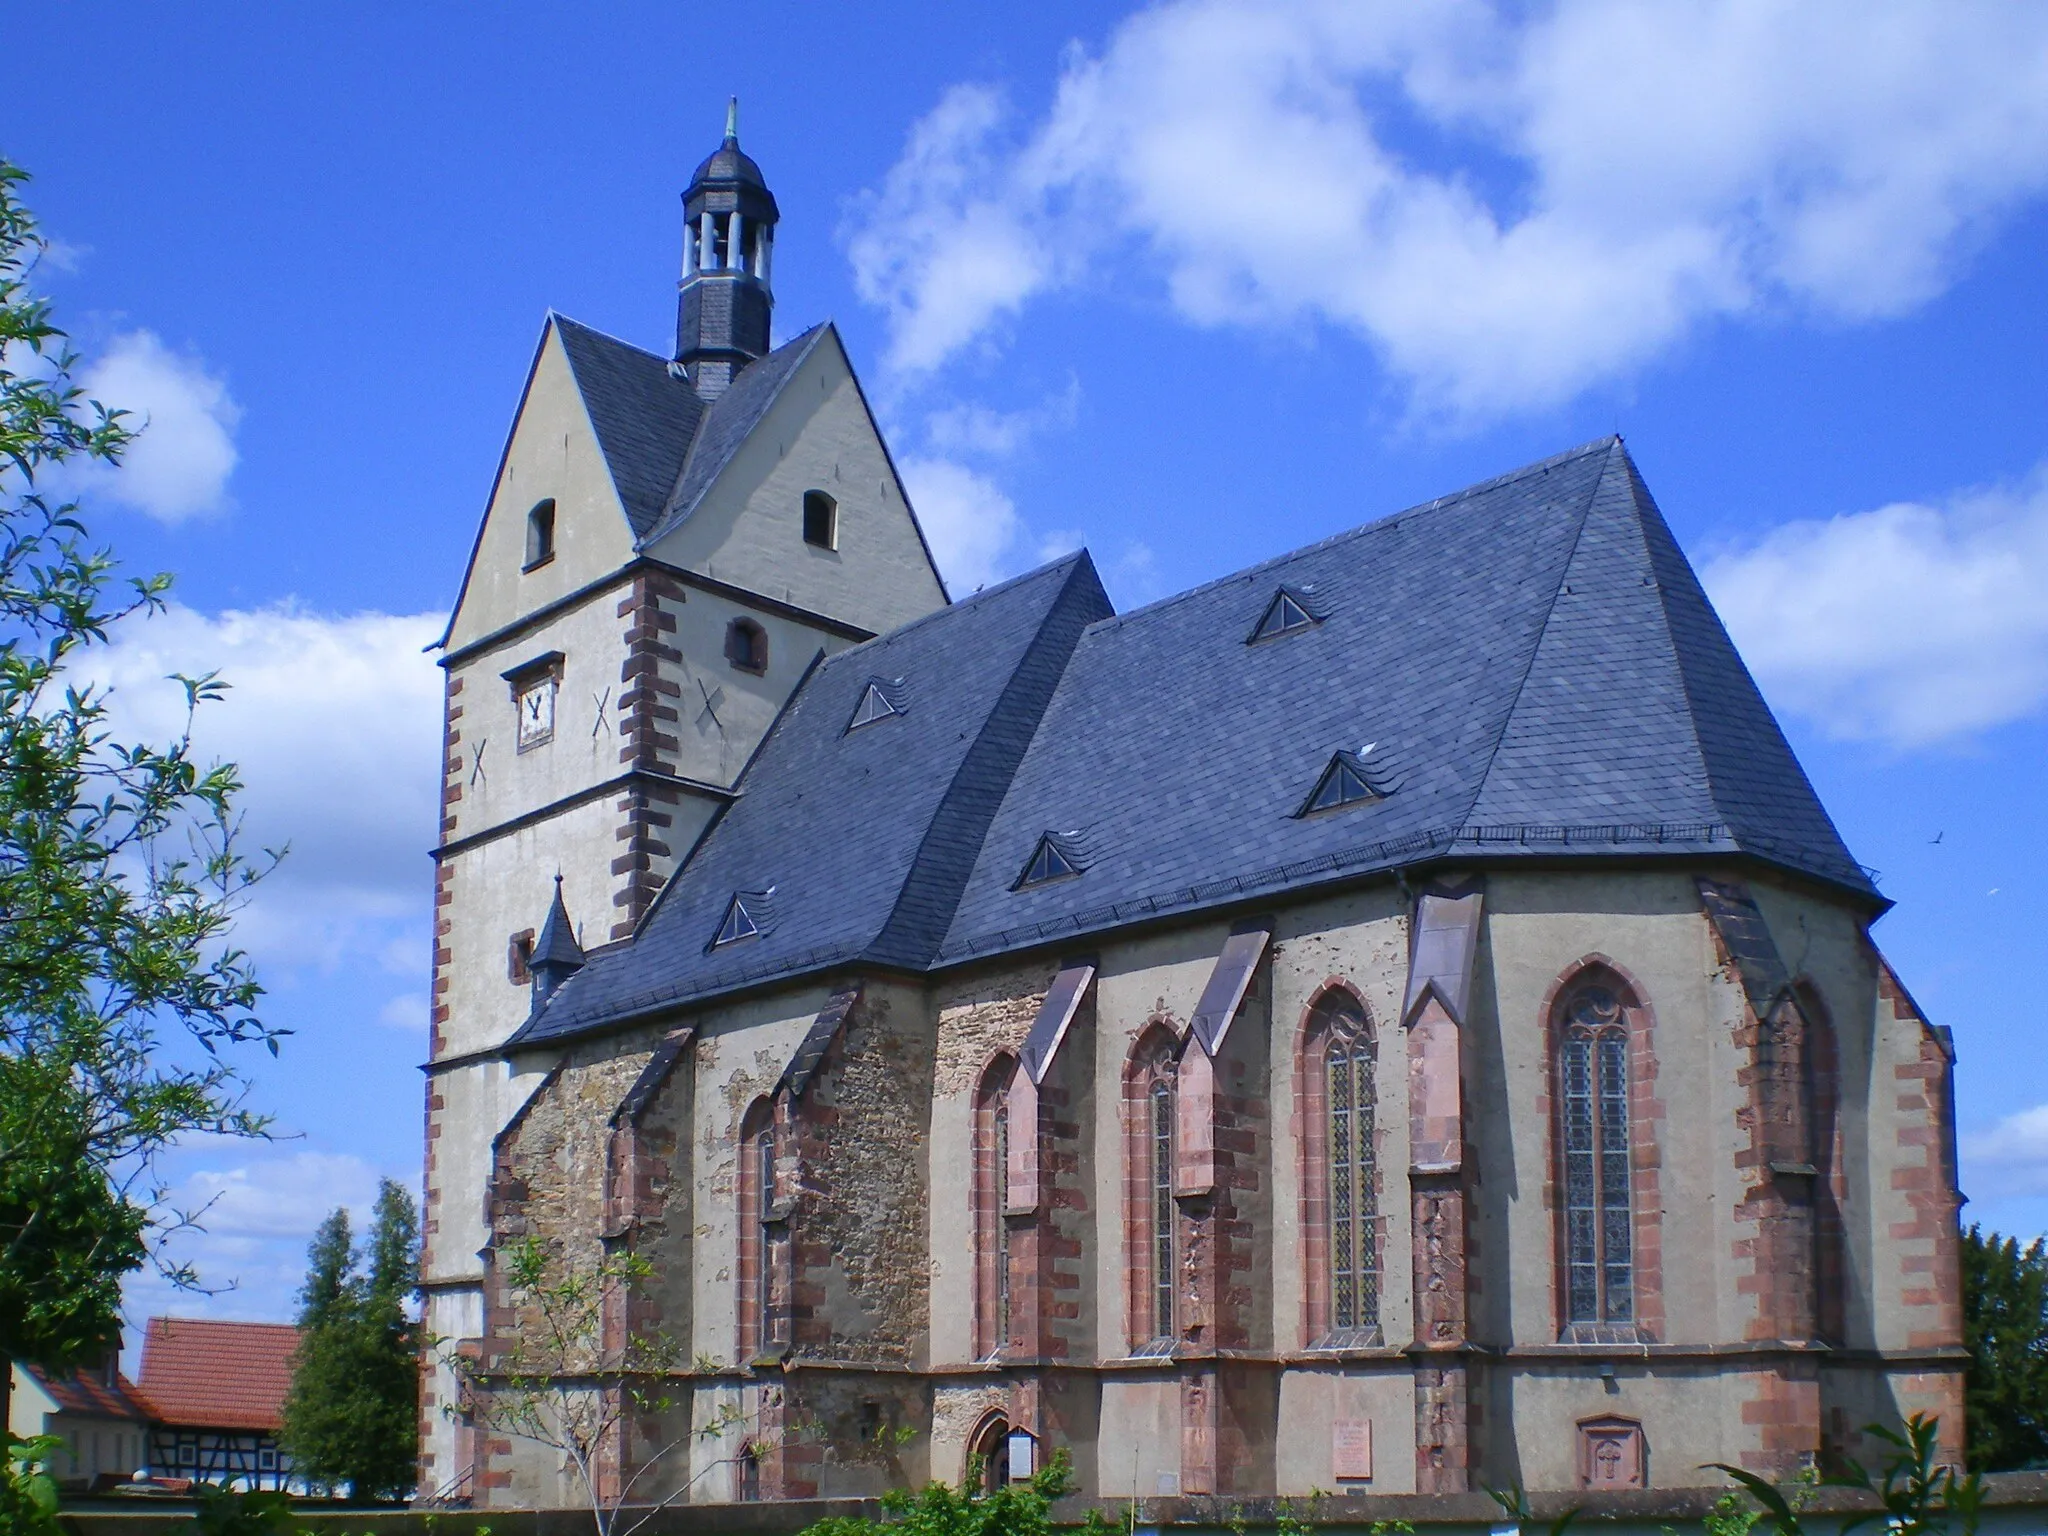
x: 1394, y: 1019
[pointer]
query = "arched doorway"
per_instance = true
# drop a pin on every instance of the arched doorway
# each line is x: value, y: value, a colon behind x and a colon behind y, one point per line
x: 988, y: 1454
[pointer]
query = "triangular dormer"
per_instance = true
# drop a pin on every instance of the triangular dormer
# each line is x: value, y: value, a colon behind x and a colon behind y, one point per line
x: 1048, y: 862
x: 1289, y: 611
x: 738, y: 924
x: 874, y: 705
x: 1347, y: 781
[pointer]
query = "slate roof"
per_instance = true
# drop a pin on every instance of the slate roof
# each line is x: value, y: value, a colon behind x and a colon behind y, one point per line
x: 202, y: 1374
x: 859, y: 840
x: 664, y: 446
x: 1529, y: 666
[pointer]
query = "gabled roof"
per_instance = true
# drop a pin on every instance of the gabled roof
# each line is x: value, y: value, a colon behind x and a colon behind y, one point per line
x: 727, y: 424
x: 866, y: 836
x: 89, y: 1395
x: 645, y: 416
x: 1527, y: 669
x: 215, y: 1375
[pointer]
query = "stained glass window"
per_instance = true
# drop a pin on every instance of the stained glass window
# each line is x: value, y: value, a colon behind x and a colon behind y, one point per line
x: 1162, y: 1208
x: 1354, y: 1256
x: 1599, y: 1223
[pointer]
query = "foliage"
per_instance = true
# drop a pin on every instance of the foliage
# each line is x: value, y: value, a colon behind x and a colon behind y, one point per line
x: 351, y: 1416
x: 28, y: 1494
x: 1917, y: 1494
x: 1514, y: 1503
x: 120, y: 872
x: 2005, y: 1328
x: 1020, y: 1509
x: 566, y: 1381
x: 223, y: 1512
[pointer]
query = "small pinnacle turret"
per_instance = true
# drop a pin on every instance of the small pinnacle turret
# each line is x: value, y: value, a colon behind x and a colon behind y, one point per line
x: 556, y: 954
x: 723, y: 309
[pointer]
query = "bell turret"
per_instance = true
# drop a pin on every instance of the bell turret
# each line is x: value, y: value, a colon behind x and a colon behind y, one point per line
x: 723, y: 310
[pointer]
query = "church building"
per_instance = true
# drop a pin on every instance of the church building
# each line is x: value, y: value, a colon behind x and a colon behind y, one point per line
x: 1393, y: 1019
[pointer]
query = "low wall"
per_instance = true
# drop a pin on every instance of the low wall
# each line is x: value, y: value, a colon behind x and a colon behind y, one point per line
x: 2018, y: 1506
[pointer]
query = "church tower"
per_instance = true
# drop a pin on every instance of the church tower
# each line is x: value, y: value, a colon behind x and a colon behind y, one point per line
x: 671, y: 541
x: 723, y: 308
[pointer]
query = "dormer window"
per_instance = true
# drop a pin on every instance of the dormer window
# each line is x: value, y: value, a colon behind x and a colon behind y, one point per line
x: 1048, y: 862
x: 821, y: 520
x: 1287, y: 613
x: 746, y: 646
x: 744, y: 918
x: 1347, y: 781
x: 540, y: 534
x: 881, y: 698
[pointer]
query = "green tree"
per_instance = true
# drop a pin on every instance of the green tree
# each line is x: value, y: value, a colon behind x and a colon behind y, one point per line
x: 351, y: 1417
x: 2005, y: 1328
x: 120, y: 872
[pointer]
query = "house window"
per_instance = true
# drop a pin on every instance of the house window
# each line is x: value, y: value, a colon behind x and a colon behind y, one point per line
x: 519, y: 958
x: 540, y: 534
x: 821, y: 520
x: 1593, y: 1141
x: 746, y: 646
x: 738, y: 924
x: 874, y: 705
x: 756, y: 1199
x: 991, y: 1189
x: 1341, y: 1187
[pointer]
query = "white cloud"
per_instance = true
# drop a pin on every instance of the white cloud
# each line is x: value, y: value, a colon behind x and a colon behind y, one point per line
x: 1509, y: 204
x: 335, y: 723
x: 407, y: 1011
x: 258, y: 1207
x: 179, y: 464
x: 1908, y: 625
x: 971, y: 525
x: 979, y: 430
x: 2010, y: 1159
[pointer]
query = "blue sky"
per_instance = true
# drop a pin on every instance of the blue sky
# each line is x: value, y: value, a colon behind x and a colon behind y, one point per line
x: 1193, y: 284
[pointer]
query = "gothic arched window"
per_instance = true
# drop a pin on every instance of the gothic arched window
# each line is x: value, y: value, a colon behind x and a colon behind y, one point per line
x: 756, y: 1200
x: 991, y: 1187
x: 1340, y: 1185
x: 1151, y: 1215
x: 1593, y: 1152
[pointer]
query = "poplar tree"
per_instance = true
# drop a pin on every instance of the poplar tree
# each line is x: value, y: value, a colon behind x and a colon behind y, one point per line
x: 351, y: 1417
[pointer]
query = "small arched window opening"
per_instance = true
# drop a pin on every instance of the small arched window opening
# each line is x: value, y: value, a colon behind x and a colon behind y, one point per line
x: 1341, y: 1183
x: 991, y: 1229
x: 988, y: 1456
x: 540, y: 534
x: 756, y: 1247
x: 746, y: 646
x: 821, y: 520
x: 1152, y: 1220
x: 1593, y: 1147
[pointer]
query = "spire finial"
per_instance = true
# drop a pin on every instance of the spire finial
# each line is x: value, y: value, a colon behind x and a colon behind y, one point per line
x: 732, y: 121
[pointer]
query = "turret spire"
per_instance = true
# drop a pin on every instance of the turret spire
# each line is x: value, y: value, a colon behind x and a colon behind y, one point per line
x: 723, y: 310
x: 556, y: 954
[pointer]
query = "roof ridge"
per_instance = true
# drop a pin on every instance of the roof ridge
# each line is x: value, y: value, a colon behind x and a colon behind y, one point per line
x: 1419, y: 509
x: 1564, y: 572
x: 561, y: 319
